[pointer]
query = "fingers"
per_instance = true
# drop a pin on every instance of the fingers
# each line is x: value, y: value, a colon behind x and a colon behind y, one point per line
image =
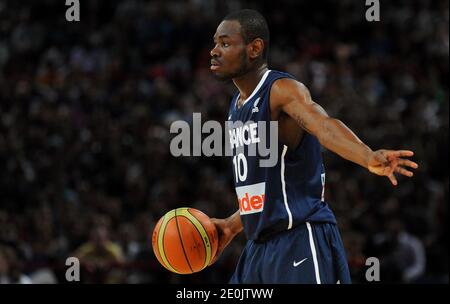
x: 401, y: 153
x: 392, y: 179
x: 219, y: 251
x: 388, y: 170
x: 391, y: 162
x: 390, y: 166
x: 400, y: 170
x: 220, y: 248
x: 408, y: 163
x: 216, y: 256
x: 404, y: 171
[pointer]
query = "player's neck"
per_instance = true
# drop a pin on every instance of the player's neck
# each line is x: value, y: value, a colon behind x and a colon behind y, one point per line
x: 247, y: 83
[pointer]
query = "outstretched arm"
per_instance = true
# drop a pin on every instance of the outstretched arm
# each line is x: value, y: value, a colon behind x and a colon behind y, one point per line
x: 293, y: 98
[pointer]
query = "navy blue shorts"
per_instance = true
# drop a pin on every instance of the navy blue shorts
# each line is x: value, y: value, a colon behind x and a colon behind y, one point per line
x: 311, y: 253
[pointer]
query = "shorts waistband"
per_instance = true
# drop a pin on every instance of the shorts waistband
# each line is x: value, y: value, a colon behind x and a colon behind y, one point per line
x: 275, y: 232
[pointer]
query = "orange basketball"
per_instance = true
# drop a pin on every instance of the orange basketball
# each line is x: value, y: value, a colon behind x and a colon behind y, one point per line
x: 185, y: 240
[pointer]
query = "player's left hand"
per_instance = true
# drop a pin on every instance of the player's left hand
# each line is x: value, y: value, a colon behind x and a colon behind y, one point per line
x: 387, y: 162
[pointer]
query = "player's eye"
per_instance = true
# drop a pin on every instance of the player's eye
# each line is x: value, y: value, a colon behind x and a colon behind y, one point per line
x: 225, y: 44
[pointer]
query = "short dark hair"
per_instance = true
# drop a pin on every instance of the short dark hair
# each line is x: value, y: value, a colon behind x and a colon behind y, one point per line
x: 253, y: 25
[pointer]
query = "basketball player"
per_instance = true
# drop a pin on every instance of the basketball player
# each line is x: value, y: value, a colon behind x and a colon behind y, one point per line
x: 291, y: 231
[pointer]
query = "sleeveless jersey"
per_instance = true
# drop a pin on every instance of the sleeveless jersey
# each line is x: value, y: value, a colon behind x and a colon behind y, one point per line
x: 273, y: 198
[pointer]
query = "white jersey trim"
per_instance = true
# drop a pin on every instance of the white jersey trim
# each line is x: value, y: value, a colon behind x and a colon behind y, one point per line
x: 283, y: 187
x: 260, y: 83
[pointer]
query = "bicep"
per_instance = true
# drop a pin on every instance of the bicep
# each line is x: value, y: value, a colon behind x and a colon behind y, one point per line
x: 308, y: 114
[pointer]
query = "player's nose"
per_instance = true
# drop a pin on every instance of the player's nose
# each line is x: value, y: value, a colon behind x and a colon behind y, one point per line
x: 214, y: 52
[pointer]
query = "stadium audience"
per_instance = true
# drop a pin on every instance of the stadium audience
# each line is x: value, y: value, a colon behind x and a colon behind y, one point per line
x: 85, y: 111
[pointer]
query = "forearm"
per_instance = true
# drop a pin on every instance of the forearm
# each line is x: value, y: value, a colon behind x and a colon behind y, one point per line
x: 337, y: 137
x: 235, y: 223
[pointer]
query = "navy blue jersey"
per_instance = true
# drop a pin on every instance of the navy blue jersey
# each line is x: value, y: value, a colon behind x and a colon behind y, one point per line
x: 280, y: 197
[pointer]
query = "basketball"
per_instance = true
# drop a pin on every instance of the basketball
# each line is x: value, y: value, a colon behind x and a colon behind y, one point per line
x: 185, y: 240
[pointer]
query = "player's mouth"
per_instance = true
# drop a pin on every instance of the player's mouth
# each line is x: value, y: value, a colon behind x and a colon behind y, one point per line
x: 215, y: 65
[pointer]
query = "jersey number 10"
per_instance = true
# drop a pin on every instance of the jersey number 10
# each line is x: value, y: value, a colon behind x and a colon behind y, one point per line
x: 240, y: 171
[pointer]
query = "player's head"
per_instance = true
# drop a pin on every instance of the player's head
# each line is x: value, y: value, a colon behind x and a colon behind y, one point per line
x: 241, y: 44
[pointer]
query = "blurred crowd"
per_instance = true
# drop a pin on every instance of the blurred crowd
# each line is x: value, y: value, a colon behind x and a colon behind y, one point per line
x: 86, y: 108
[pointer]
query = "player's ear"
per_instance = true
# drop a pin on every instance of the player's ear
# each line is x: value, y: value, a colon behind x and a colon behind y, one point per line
x: 256, y: 48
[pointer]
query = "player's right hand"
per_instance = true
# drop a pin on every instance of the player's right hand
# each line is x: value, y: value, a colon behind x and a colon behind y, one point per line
x: 225, y: 234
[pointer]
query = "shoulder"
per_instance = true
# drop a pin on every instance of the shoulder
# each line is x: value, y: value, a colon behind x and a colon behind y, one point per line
x: 290, y: 84
x: 285, y: 90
